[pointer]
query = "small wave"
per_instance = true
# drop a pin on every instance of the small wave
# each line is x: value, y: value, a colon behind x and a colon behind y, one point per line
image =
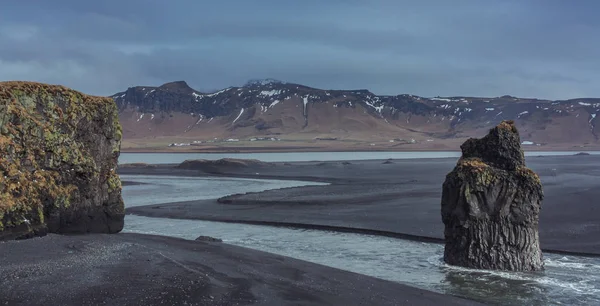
x: 436, y: 260
x: 587, y: 287
x: 571, y: 264
x: 584, y: 284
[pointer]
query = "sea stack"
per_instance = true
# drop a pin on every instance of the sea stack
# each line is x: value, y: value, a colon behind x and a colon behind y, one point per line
x: 490, y: 205
x: 58, y: 162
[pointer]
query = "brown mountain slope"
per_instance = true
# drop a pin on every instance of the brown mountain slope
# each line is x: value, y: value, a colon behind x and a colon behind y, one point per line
x: 353, y: 119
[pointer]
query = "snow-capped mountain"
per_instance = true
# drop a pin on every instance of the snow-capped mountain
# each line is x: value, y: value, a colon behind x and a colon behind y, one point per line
x: 271, y: 107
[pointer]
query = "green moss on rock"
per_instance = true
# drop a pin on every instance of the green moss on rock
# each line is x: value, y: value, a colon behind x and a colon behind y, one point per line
x: 58, y: 152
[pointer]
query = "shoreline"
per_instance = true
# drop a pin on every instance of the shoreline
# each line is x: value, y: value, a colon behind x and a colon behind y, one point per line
x: 339, y: 229
x: 140, y: 269
x: 181, y: 150
x: 377, y: 196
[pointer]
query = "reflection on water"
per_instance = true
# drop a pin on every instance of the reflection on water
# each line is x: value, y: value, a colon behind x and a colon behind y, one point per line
x: 568, y: 280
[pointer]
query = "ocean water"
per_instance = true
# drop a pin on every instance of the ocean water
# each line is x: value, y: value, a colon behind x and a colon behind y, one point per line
x: 169, y: 158
x: 568, y: 280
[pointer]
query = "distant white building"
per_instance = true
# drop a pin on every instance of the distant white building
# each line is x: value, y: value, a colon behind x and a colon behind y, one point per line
x: 179, y: 144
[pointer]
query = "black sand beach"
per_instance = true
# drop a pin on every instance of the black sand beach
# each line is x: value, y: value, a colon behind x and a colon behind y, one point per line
x: 132, y: 269
x: 398, y: 198
x: 395, y: 198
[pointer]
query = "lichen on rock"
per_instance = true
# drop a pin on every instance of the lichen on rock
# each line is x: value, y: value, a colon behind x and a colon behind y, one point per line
x: 58, y: 158
x: 490, y: 205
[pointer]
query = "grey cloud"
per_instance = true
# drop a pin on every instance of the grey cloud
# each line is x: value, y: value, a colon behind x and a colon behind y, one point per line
x: 529, y: 48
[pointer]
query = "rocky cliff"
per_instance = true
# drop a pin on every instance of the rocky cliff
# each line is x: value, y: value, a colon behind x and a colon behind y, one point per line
x: 490, y: 205
x: 58, y: 158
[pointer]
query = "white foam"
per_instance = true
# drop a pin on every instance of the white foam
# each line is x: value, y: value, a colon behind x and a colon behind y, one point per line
x: 564, y: 263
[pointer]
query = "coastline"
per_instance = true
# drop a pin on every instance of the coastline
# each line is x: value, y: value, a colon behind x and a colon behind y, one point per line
x: 135, y: 269
x: 395, y: 198
x: 222, y: 150
x: 400, y: 199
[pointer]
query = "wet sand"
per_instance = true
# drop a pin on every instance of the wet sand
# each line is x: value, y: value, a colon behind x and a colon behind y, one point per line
x: 398, y: 198
x: 133, y: 269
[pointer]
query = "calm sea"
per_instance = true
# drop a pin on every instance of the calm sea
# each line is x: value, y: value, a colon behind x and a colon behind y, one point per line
x: 173, y: 158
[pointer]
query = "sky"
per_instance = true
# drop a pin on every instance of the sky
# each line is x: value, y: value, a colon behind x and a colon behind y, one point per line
x: 527, y: 48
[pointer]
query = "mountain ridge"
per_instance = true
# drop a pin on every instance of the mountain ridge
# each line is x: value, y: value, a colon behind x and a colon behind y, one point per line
x: 273, y: 107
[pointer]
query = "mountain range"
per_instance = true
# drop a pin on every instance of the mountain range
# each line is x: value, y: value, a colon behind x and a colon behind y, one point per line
x: 272, y: 109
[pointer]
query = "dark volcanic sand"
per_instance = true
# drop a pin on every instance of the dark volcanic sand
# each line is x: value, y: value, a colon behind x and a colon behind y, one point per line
x: 133, y: 269
x: 399, y: 198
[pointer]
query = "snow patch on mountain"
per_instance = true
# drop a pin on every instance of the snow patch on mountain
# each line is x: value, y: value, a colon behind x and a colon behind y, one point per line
x: 218, y: 92
x: 377, y: 108
x: 153, y: 90
x: 270, y: 93
x: 263, y: 82
x: 238, y: 117
x: 305, y: 101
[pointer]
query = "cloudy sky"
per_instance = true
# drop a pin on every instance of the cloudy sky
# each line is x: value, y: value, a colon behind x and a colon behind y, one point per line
x: 533, y: 48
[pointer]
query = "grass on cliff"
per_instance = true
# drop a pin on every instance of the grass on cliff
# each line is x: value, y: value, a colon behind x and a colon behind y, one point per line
x: 39, y: 161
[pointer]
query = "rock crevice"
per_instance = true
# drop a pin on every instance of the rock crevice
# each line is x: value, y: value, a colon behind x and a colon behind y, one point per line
x: 490, y: 205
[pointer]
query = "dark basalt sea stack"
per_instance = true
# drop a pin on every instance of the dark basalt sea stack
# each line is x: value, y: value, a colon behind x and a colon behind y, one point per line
x: 490, y: 205
x: 58, y: 160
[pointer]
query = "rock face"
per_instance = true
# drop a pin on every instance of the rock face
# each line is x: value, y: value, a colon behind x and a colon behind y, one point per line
x: 490, y: 205
x: 58, y: 159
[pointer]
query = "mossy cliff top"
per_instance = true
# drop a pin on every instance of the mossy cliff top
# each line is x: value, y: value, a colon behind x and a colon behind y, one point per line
x: 58, y: 158
x: 501, y: 147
